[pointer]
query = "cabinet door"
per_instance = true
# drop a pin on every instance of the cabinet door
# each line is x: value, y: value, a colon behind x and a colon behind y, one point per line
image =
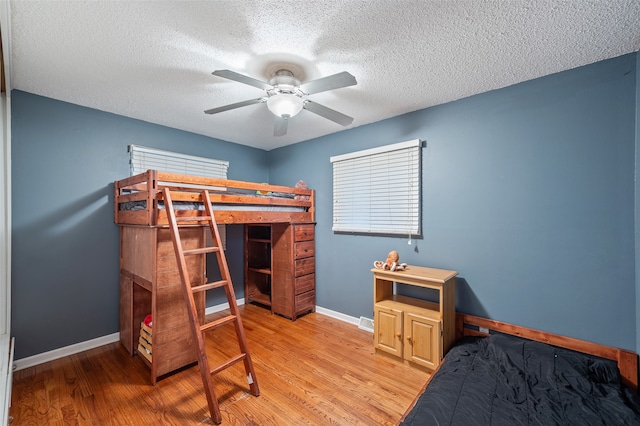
x: 388, y: 330
x: 423, y: 340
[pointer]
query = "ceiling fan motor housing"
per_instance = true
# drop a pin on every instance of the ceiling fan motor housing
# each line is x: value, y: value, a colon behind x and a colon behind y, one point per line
x: 284, y: 81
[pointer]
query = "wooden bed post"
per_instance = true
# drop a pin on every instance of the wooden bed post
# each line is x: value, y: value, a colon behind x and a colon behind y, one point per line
x: 116, y: 193
x: 628, y: 366
x: 152, y: 195
x: 312, y: 209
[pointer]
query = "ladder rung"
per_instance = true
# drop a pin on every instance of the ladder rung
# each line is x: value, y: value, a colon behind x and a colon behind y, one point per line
x: 201, y: 250
x: 208, y: 286
x: 217, y: 323
x: 229, y: 363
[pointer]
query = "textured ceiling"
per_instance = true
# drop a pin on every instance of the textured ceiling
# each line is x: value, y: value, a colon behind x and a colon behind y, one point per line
x: 152, y: 60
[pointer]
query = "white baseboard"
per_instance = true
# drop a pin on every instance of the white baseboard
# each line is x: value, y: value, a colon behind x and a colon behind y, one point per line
x: 221, y: 307
x: 67, y: 350
x: 115, y: 337
x: 337, y: 315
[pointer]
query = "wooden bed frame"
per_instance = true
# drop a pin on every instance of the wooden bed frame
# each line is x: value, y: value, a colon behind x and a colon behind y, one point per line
x: 469, y: 325
x: 148, y: 187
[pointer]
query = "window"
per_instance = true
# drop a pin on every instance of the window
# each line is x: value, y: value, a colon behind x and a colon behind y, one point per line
x: 143, y: 159
x: 378, y: 190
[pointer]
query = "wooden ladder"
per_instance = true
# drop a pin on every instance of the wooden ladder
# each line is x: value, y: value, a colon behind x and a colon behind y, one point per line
x: 198, y: 329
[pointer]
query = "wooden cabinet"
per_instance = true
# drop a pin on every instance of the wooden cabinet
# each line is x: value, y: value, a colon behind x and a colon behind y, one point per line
x: 418, y: 331
x: 280, y: 267
x: 150, y: 284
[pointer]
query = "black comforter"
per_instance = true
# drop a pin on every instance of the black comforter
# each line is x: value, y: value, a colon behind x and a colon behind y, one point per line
x: 506, y: 380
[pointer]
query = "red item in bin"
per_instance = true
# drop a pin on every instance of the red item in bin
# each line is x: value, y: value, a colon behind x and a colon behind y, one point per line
x: 147, y: 320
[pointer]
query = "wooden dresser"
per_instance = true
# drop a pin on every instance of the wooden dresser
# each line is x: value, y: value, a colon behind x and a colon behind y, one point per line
x: 280, y: 267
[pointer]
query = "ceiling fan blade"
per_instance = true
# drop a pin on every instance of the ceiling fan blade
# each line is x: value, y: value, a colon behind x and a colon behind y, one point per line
x: 328, y: 113
x: 232, y: 75
x: 335, y: 81
x: 234, y: 106
x: 280, y: 128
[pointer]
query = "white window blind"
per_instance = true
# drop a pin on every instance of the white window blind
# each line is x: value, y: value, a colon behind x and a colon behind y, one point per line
x: 143, y: 159
x: 378, y: 190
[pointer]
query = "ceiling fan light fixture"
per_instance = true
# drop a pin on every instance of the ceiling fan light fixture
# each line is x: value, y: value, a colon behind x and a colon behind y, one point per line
x: 285, y: 104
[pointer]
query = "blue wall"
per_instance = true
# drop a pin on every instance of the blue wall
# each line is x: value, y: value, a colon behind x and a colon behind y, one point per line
x: 637, y: 203
x: 65, y: 258
x: 528, y: 192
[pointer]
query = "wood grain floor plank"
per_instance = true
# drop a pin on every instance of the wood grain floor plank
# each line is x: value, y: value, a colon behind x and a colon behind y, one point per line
x: 314, y: 371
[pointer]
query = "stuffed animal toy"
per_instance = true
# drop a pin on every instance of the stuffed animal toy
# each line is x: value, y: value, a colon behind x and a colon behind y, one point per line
x: 303, y: 185
x: 392, y: 263
x: 392, y: 260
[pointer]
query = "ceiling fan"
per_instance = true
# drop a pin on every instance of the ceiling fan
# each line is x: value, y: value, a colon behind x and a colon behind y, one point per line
x: 286, y: 96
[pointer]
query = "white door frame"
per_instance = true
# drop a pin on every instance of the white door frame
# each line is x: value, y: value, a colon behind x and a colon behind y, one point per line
x: 5, y: 173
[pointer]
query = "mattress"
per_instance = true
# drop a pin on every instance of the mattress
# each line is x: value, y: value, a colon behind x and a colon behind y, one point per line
x: 184, y: 205
x: 507, y: 380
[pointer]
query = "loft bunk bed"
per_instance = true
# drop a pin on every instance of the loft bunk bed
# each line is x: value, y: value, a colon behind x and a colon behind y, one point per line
x: 283, y: 280
x: 138, y: 200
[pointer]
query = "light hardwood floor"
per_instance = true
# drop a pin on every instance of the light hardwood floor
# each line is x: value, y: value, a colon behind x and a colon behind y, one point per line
x: 314, y: 371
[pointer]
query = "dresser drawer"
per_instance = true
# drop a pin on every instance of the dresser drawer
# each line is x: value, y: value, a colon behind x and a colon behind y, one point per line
x: 306, y: 301
x: 305, y: 249
x: 305, y: 283
x: 304, y: 232
x: 305, y: 266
